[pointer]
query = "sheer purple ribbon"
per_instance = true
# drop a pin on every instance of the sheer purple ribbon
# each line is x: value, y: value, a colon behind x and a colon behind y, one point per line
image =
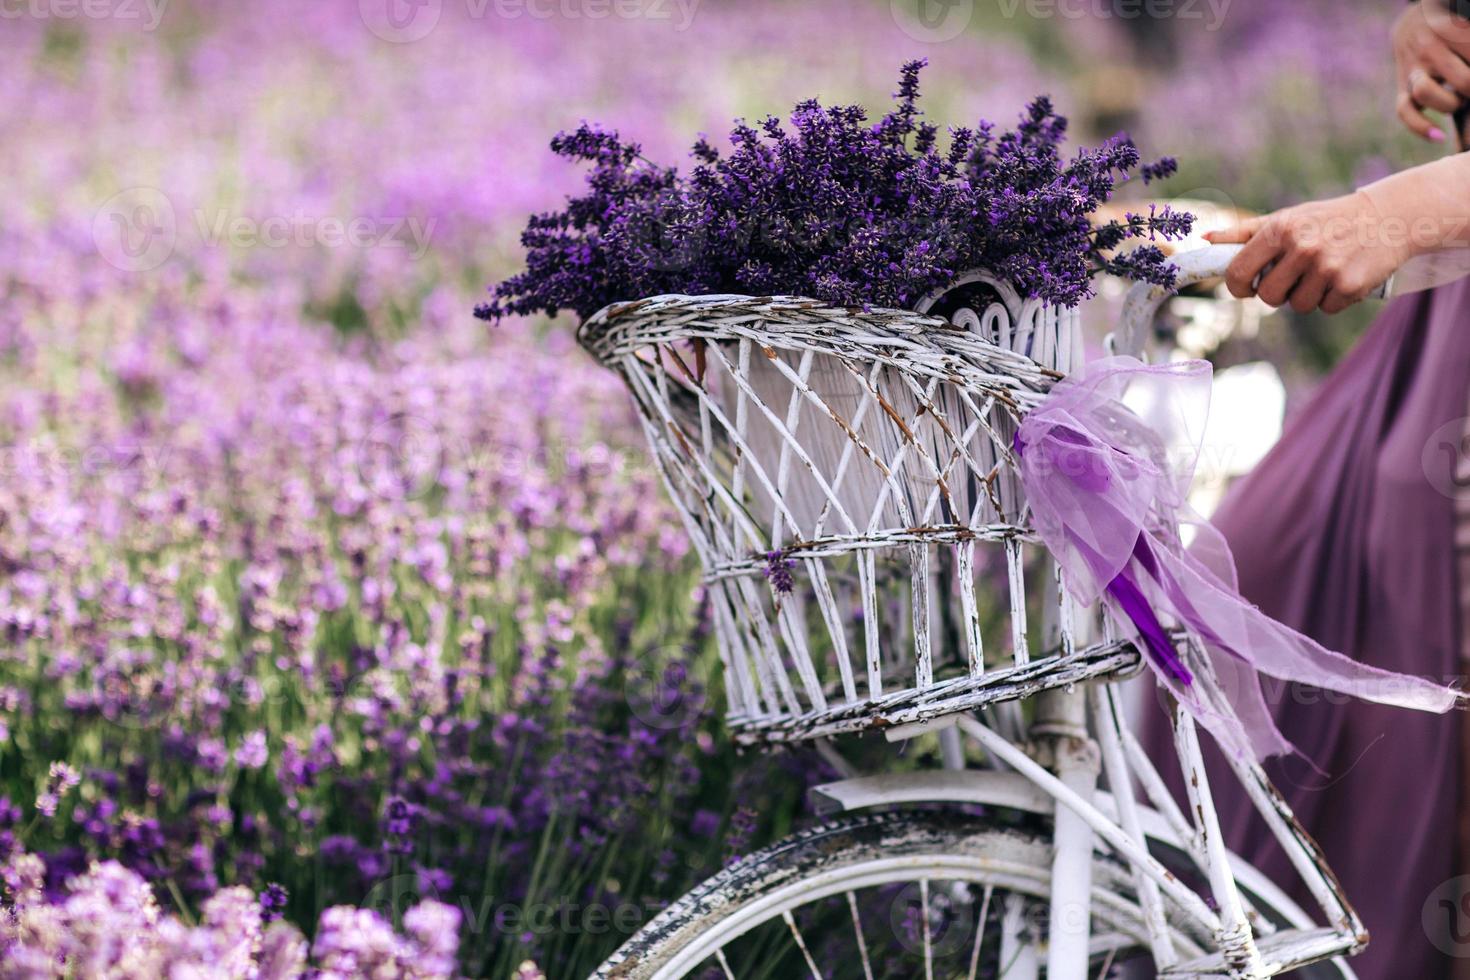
x: 1106, y: 460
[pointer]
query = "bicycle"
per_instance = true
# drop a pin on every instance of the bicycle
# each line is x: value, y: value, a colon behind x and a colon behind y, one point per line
x: 872, y: 451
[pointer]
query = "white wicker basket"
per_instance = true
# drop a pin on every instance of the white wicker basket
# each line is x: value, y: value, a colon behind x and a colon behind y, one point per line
x: 873, y: 450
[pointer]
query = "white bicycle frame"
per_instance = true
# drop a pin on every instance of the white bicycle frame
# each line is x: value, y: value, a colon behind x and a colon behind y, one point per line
x: 813, y: 435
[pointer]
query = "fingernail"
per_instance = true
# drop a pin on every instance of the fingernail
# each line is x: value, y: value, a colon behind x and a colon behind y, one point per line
x: 1437, y: 135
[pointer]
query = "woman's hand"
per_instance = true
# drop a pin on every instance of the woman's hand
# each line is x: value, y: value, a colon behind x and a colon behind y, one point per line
x: 1431, y: 46
x: 1333, y: 253
x: 1329, y: 254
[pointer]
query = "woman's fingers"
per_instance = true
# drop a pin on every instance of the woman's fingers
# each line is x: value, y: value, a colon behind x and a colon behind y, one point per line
x: 1430, y: 93
x: 1241, y: 231
x: 1414, y: 118
x: 1336, y: 302
x: 1447, y: 65
x: 1310, y: 291
x: 1247, y: 267
x: 1280, y: 279
x: 1448, y: 30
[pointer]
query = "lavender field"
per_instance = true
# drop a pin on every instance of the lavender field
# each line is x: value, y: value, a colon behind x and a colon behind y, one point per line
x: 343, y: 632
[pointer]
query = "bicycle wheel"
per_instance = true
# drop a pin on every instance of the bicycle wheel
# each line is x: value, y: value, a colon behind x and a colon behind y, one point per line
x: 930, y: 894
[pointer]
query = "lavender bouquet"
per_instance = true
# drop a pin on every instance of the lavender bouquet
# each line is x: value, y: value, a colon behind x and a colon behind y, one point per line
x: 831, y: 206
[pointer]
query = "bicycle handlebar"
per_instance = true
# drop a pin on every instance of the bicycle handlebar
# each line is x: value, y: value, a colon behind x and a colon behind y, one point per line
x: 1144, y: 299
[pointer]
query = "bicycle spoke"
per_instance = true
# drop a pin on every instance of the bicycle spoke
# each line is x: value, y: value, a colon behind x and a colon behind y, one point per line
x: 980, y: 931
x: 857, y: 928
x: 928, y: 941
x: 833, y: 938
x: 801, y: 945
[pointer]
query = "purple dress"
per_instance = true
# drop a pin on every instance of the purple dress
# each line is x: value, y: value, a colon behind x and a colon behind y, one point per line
x: 1346, y: 531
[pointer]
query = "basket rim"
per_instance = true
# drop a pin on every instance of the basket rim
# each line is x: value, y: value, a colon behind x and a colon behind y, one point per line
x: 714, y: 302
x: 607, y: 333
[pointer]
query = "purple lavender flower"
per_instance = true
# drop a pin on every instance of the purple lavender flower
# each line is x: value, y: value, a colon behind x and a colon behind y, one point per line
x: 778, y: 572
x: 273, y: 900
x: 252, y: 753
x: 59, y: 779
x: 214, y: 577
x: 108, y: 923
x: 706, y: 823
x: 398, y: 825
x: 743, y: 823
x: 356, y: 942
x: 283, y: 953
x: 434, y: 928
x: 839, y: 209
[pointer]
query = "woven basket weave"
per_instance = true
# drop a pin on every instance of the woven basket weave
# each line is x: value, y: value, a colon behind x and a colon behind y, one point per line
x: 872, y: 448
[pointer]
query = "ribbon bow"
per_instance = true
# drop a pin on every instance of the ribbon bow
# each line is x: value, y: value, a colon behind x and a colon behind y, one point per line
x: 1106, y: 460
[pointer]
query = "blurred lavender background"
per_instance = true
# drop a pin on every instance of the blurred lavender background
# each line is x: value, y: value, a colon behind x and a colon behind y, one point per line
x: 318, y: 593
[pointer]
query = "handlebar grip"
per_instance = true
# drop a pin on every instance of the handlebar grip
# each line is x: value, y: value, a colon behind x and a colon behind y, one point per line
x: 1143, y: 301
